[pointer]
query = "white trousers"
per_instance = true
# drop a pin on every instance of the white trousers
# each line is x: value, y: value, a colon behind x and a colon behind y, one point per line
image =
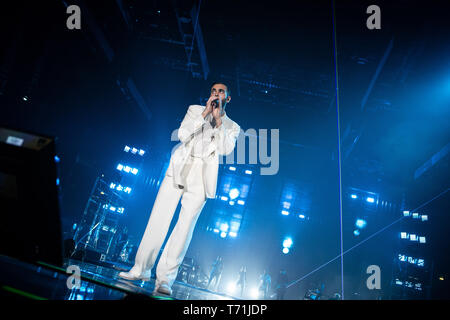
x: 193, y: 199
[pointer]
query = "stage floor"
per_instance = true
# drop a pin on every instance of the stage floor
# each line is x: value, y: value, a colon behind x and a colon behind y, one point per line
x: 98, y: 282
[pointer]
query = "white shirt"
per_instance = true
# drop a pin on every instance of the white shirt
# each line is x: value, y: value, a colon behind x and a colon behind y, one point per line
x: 204, y: 138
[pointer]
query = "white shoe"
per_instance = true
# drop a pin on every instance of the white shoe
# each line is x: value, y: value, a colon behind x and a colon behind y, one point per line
x: 164, y: 288
x: 131, y: 276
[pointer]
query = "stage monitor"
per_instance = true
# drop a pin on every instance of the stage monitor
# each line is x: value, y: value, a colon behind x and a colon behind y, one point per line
x: 30, y: 227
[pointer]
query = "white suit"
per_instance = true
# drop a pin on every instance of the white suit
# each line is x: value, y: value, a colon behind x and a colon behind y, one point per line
x: 191, y: 175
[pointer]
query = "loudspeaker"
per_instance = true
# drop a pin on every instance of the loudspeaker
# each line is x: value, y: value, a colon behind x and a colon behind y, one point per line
x: 30, y: 227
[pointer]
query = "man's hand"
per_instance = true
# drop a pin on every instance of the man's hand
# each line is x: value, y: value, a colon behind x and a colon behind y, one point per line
x: 209, y: 107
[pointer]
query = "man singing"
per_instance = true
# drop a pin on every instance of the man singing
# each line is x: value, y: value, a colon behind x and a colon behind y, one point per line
x: 205, y: 133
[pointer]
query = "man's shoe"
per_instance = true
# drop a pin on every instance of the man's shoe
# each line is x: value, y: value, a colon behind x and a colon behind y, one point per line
x: 164, y: 289
x: 131, y: 276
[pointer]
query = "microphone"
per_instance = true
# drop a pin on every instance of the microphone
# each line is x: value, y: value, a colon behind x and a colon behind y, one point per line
x: 215, y: 103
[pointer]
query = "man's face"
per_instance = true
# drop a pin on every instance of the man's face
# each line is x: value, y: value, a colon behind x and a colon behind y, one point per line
x: 219, y: 91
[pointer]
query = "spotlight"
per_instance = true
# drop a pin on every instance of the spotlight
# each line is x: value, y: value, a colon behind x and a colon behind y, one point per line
x: 231, y: 203
x: 216, y: 230
x: 356, y: 232
x: 25, y: 98
x: 370, y: 199
x: 285, y: 213
x: 424, y: 218
x: 254, y: 293
x: 223, y: 234
x: 422, y: 240
x: 354, y: 196
x: 126, y: 149
x: 286, y: 205
x: 232, y: 168
x: 119, y: 167
x: 224, y: 198
x: 134, y: 171
x: 403, y: 235
x: 141, y: 152
x: 248, y: 171
x: 287, y: 243
x: 232, y: 234
x: 234, y: 193
x: 413, y: 237
x: 224, y: 227
x: 134, y: 150
x: 360, y: 223
x: 57, y: 159
x: 231, y: 288
x: 241, y: 202
x: 301, y: 216
x: 285, y: 250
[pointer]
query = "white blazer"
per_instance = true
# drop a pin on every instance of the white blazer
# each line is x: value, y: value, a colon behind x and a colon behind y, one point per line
x: 223, y: 138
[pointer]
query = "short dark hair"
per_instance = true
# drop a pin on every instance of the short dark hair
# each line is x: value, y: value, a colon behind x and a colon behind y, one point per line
x: 226, y: 85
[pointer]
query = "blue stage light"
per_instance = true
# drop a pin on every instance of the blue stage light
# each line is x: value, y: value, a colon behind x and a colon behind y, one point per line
x: 232, y: 168
x: 231, y: 203
x: 127, y: 190
x: 224, y: 227
x: 284, y: 212
x: 126, y: 149
x: 356, y: 232
x: 287, y: 243
x: 224, y: 198
x: 424, y: 217
x: 406, y: 213
x: 57, y: 159
x: 127, y: 169
x: 354, y: 196
x: 301, y: 216
x: 119, y: 167
x: 134, y: 171
x: 223, y: 234
x: 232, y: 234
x: 285, y: 250
x: 248, y: 171
x: 413, y: 237
x: 403, y: 235
x: 141, y: 152
x: 415, y: 215
x: 370, y: 199
x: 216, y: 230
x: 234, y: 193
x: 241, y: 202
x: 286, y: 205
x: 422, y: 240
x: 360, y: 223
x: 57, y: 181
x: 134, y: 150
